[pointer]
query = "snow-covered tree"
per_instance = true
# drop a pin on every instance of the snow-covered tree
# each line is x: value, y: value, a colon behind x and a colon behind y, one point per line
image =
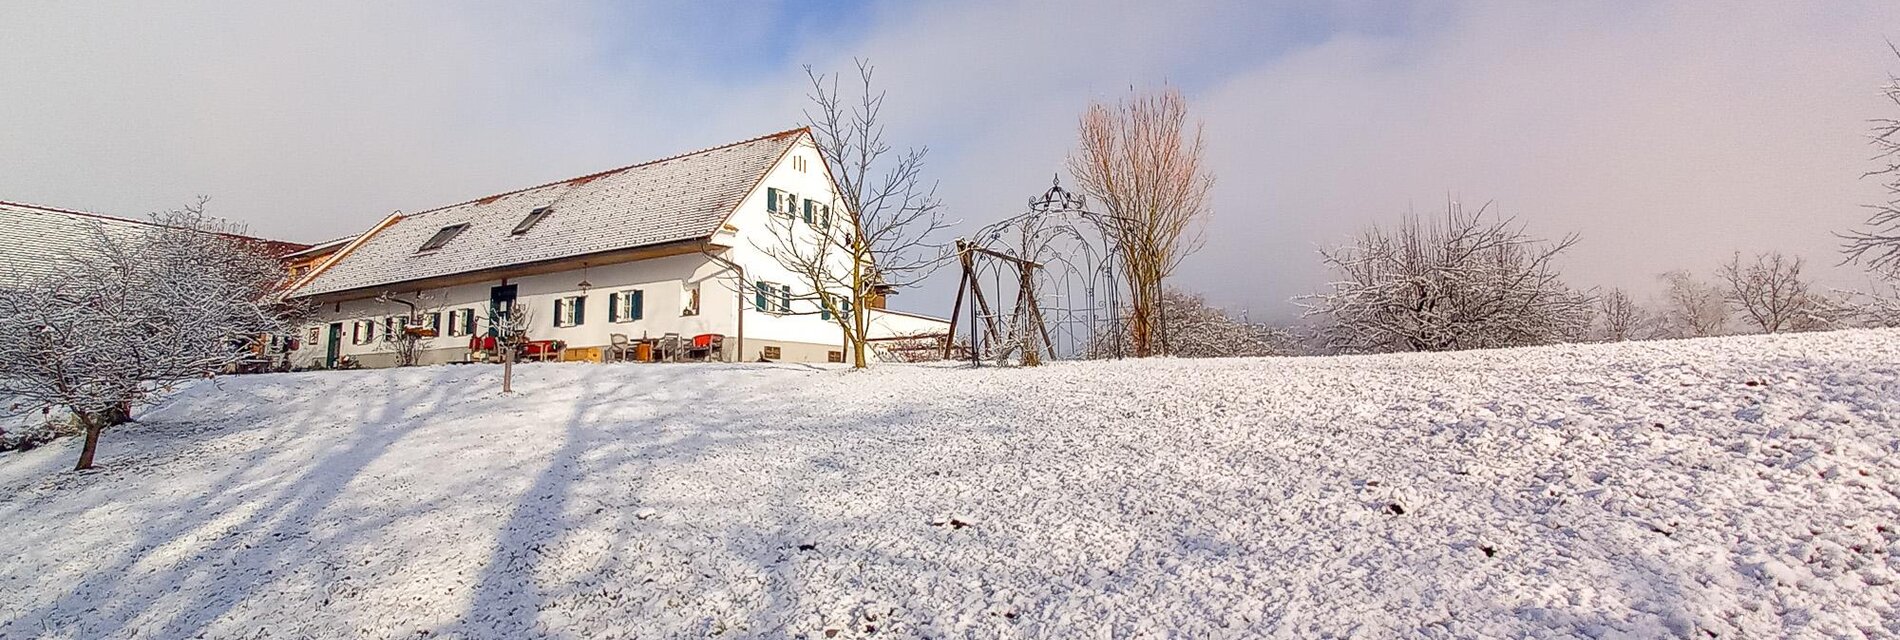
x: 1877, y: 244
x: 1692, y: 308
x: 1197, y: 329
x: 1769, y: 292
x: 1463, y: 281
x: 135, y: 313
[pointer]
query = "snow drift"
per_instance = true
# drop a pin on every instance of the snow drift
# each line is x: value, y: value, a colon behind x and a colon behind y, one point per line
x: 1708, y: 488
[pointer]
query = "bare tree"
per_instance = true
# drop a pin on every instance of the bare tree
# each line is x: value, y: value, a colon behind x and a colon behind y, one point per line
x: 1770, y: 292
x: 1692, y: 309
x: 1200, y: 330
x: 1620, y: 318
x: 876, y: 235
x: 509, y: 327
x: 1141, y: 159
x: 1877, y: 307
x: 135, y: 314
x: 409, y: 334
x: 1877, y: 244
x: 1466, y: 281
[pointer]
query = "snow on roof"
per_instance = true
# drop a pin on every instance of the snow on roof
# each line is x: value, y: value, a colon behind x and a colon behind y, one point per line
x: 673, y: 199
x: 35, y: 240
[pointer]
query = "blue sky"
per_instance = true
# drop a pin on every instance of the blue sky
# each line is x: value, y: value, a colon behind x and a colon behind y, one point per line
x: 1667, y: 133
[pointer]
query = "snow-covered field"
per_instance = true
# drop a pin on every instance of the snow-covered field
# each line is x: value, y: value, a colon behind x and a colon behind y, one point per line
x: 1739, y: 487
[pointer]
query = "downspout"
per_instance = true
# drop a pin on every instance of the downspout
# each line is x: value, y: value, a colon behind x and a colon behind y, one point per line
x: 705, y: 250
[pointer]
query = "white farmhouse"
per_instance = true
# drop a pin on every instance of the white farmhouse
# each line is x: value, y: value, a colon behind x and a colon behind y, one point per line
x: 660, y: 251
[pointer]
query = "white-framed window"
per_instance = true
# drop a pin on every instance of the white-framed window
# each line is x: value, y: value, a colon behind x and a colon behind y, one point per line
x: 461, y: 322
x: 689, y: 301
x: 817, y: 215
x: 570, y: 311
x: 626, y: 306
x: 362, y: 331
x: 772, y: 297
x: 433, y: 320
x: 781, y: 202
x: 839, y: 301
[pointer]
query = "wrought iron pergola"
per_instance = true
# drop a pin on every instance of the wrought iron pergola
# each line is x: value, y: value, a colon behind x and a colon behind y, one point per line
x: 1062, y: 259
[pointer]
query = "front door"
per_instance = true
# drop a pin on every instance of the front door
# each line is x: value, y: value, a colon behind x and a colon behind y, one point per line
x: 500, y: 300
x: 333, y: 345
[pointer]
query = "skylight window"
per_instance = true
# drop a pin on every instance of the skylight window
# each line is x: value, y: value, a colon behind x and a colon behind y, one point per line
x: 534, y: 217
x: 442, y: 237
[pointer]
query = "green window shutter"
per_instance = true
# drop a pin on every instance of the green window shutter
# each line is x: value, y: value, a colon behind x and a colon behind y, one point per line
x: 784, y: 299
x: 580, y: 311
x: 824, y: 309
x: 560, y: 306
x: 844, y: 305
x: 771, y: 199
x: 808, y: 210
x: 637, y: 304
x: 613, y: 307
x: 758, y: 296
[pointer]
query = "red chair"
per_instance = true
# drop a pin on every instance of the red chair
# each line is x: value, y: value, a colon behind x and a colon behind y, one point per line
x: 543, y: 350
x: 705, y: 345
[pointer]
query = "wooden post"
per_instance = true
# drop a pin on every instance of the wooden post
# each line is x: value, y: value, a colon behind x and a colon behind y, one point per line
x: 1026, y: 306
x: 957, y: 307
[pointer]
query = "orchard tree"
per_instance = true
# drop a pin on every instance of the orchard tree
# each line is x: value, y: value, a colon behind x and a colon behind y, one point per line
x: 1461, y: 281
x: 1620, y: 318
x: 1692, y: 308
x: 136, y: 313
x: 1877, y: 244
x: 1769, y: 292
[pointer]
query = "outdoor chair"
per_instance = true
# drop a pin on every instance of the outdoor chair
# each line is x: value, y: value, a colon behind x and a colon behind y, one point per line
x: 706, y: 347
x: 670, y: 347
x: 620, y: 348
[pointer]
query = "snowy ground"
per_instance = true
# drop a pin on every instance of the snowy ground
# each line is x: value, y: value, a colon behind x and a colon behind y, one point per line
x: 1742, y: 487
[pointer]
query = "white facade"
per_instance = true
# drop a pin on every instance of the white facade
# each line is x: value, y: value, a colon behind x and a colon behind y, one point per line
x: 666, y: 286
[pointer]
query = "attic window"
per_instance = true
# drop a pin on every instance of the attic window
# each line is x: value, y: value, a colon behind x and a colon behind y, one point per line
x: 442, y: 237
x: 533, y: 218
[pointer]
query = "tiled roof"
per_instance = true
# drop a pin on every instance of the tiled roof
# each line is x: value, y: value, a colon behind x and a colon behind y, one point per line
x: 36, y: 240
x: 680, y: 198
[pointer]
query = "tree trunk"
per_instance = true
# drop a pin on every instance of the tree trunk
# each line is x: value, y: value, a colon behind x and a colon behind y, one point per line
x: 858, y: 360
x: 1141, y: 329
x: 508, y: 369
x: 93, y: 426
